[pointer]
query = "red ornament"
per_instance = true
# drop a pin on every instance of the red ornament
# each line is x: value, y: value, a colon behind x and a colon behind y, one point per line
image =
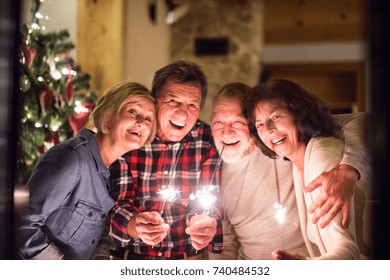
x: 69, y: 88
x: 29, y: 55
x: 45, y: 97
x: 78, y: 121
x: 49, y: 141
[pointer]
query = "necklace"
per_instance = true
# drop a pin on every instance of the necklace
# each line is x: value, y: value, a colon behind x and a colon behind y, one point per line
x: 280, y: 209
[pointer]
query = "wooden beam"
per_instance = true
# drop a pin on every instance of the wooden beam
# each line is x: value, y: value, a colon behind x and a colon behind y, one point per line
x: 100, y: 41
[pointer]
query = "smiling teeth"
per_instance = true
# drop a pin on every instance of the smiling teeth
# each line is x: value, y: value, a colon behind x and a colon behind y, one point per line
x: 229, y: 143
x: 134, y: 132
x: 178, y: 124
x: 277, y: 141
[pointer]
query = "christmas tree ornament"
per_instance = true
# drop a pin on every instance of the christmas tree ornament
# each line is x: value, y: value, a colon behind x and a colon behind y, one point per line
x: 48, y: 88
x: 45, y: 98
x: 24, y: 83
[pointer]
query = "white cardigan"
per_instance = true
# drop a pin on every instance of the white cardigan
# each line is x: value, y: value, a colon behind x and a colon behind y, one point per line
x: 334, y: 241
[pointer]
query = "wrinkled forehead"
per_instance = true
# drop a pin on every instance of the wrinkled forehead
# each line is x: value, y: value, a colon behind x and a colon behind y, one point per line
x: 223, y: 104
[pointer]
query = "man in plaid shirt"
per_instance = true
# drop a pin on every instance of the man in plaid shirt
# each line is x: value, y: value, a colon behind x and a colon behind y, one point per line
x: 160, y: 190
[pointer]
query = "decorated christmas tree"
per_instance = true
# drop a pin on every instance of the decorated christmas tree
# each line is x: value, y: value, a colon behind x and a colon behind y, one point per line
x: 54, y: 95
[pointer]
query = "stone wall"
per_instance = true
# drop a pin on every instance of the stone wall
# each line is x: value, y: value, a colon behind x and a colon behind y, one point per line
x: 240, y: 21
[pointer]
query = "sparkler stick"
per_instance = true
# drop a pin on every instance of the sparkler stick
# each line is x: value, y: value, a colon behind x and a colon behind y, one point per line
x: 168, y: 192
x: 218, y: 164
x: 205, y: 196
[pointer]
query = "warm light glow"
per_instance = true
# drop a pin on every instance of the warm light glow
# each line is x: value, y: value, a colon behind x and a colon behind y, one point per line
x: 80, y: 108
x: 35, y: 26
x: 66, y: 71
x: 38, y: 15
x: 55, y: 126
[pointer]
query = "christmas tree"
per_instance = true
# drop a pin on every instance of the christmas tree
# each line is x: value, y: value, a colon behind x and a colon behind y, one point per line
x: 54, y: 95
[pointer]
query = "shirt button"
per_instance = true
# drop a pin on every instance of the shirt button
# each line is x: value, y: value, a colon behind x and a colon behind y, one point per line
x: 165, y: 172
x: 93, y: 241
x: 159, y: 254
x: 90, y: 214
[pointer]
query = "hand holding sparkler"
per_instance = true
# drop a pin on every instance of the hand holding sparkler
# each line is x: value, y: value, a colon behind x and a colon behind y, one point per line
x: 149, y: 227
x: 202, y: 229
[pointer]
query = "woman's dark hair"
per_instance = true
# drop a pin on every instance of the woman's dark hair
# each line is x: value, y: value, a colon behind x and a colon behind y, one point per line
x: 182, y: 72
x: 310, y: 114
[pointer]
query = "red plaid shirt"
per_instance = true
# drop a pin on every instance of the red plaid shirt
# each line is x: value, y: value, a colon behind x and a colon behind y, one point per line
x: 138, y: 176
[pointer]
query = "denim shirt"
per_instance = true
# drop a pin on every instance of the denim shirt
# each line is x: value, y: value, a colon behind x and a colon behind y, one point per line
x: 68, y: 204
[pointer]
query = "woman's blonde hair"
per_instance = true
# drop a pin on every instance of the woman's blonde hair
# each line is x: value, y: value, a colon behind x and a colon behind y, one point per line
x: 112, y: 102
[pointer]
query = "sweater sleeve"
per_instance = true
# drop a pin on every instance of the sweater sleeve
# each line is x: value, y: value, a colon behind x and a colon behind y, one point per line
x: 334, y: 241
x: 354, y: 132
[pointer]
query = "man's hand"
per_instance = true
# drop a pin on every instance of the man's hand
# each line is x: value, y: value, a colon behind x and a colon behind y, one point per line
x: 283, y: 255
x: 149, y: 226
x: 202, y: 229
x: 337, y: 189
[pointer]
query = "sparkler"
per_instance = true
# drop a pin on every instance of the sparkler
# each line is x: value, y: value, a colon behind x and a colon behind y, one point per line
x: 168, y: 194
x: 205, y: 196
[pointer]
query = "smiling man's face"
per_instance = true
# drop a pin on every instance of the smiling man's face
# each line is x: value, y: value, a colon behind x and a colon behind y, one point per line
x: 230, y: 130
x: 178, y: 108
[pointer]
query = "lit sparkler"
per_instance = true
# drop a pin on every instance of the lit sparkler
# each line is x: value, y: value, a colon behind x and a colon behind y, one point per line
x: 168, y: 194
x: 205, y: 196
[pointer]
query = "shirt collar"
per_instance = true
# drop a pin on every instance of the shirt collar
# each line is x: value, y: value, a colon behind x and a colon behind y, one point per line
x: 90, y: 136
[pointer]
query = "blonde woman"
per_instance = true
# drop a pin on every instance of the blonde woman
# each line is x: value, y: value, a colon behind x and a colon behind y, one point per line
x: 69, y: 187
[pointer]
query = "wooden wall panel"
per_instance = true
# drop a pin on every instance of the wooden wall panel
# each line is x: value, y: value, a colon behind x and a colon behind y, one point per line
x: 100, y: 41
x: 341, y: 85
x: 303, y: 21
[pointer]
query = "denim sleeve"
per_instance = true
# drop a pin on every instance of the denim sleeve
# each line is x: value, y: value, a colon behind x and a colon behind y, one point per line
x: 53, y: 178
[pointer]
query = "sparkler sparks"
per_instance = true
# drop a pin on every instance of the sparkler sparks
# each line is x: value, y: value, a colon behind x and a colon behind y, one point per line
x: 168, y: 193
x: 205, y: 198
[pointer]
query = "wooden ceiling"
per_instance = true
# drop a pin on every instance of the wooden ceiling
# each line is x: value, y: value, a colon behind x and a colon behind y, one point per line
x: 305, y: 21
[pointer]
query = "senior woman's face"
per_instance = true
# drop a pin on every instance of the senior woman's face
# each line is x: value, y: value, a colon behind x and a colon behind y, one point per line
x: 134, y: 124
x: 276, y: 128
